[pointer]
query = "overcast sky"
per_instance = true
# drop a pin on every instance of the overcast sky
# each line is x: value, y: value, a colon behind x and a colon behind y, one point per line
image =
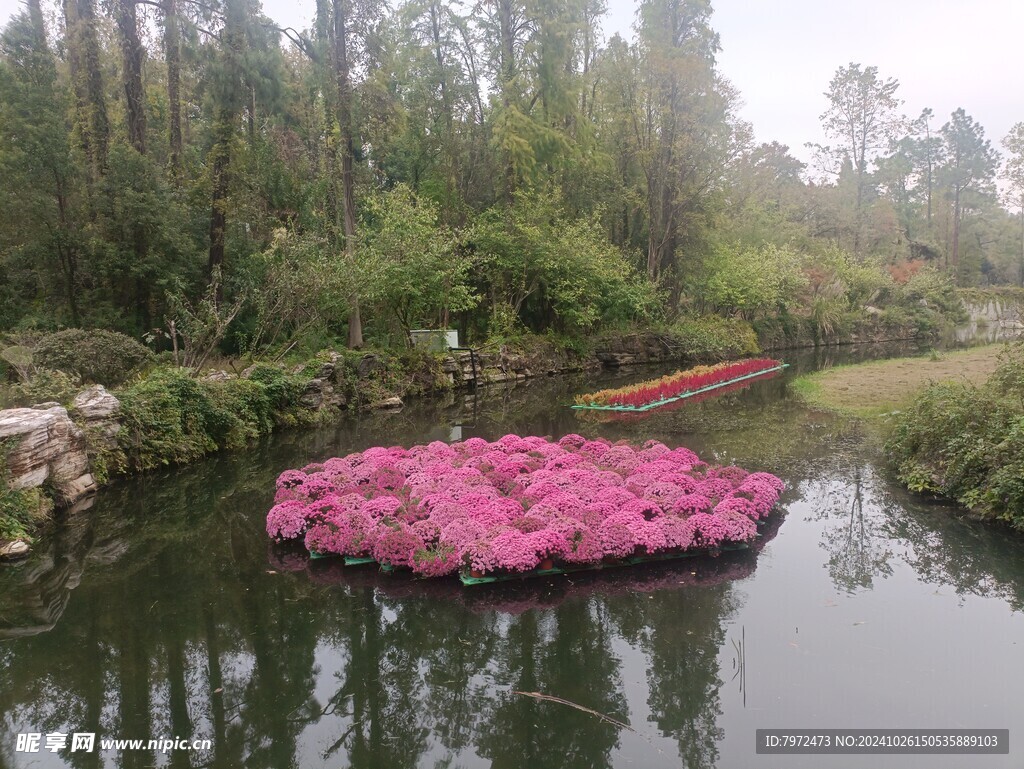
x: 781, y: 55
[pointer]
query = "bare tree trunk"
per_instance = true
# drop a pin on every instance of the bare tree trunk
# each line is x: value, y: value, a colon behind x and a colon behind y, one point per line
x: 172, y: 54
x: 131, y: 74
x: 232, y: 44
x: 344, y: 107
x: 507, y: 76
x: 92, y: 127
x: 220, y: 180
x: 956, y: 236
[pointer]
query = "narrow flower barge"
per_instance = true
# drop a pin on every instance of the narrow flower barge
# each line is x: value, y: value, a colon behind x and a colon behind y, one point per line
x: 692, y: 383
x: 519, y: 507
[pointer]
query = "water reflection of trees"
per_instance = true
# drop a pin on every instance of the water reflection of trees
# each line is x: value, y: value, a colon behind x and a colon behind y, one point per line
x: 868, y: 523
x: 858, y: 547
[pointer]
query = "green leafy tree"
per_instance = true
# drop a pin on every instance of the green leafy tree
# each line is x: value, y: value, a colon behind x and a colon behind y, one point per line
x: 418, y: 271
x: 1013, y: 173
x: 41, y: 195
x: 862, y: 118
x: 967, y: 173
x: 550, y: 271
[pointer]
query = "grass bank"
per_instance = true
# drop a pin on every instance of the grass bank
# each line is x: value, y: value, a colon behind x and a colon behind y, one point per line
x: 869, y: 390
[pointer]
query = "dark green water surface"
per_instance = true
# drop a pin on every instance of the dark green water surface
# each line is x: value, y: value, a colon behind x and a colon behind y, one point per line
x: 165, y: 611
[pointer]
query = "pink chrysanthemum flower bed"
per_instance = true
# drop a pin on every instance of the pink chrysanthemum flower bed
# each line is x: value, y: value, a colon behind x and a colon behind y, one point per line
x: 518, y: 505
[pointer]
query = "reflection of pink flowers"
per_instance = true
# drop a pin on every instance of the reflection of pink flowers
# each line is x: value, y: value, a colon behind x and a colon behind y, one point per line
x: 510, y: 505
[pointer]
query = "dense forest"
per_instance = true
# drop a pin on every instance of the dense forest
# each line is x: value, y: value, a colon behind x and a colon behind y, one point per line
x: 189, y: 170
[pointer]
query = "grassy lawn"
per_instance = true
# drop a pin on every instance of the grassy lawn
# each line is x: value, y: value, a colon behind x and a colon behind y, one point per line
x: 879, y: 387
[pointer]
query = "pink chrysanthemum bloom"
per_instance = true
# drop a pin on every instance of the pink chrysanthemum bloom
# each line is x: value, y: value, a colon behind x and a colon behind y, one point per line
x: 461, y: 534
x: 429, y: 532
x: 617, y: 495
x: 662, y: 492
x: 772, y: 480
x: 563, y: 461
x: 528, y: 523
x: 475, y: 445
x: 396, y: 545
x: 682, y: 455
x: 586, y: 547
x: 738, y: 505
x: 616, y: 538
x: 539, y: 491
x: 549, y: 543
x: 637, y: 484
x: 381, y: 507
x: 739, y: 527
x: 710, y: 530
x: 731, y: 473
x: 683, y: 479
x: 513, y: 551
x: 287, y: 520
x: 284, y: 495
x: 435, y: 562
x: 642, y: 509
x: 348, y: 533
x: 679, y: 532
x: 315, y: 487
x: 650, y: 535
x: 657, y: 468
x: 715, y: 488
x: 761, y: 495
x: 594, y: 449
x: 492, y: 514
x: 690, y: 504
x: 571, y: 441
x: 653, y: 450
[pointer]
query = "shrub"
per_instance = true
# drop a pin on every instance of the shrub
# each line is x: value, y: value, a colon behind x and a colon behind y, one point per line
x: 715, y: 337
x: 170, y: 418
x: 163, y: 421
x: 283, y: 390
x: 46, y: 385
x: 967, y: 442
x: 103, y: 357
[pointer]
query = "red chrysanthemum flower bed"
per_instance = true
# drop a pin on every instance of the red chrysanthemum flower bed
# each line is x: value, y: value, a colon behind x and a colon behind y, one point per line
x: 674, y: 385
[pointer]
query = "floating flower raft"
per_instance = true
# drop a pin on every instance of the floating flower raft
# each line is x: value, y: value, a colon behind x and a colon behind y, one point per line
x: 519, y: 506
x: 696, y: 381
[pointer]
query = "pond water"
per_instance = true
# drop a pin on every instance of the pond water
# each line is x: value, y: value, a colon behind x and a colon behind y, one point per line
x: 164, y: 612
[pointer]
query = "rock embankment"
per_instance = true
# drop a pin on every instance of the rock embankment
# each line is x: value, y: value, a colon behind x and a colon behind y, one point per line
x: 46, y: 447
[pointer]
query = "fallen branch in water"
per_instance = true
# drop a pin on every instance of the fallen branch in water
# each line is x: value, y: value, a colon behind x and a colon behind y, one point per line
x: 560, y: 701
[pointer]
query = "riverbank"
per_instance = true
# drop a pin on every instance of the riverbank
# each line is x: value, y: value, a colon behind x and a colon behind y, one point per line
x: 869, y: 390
x: 965, y: 441
x: 59, y: 452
